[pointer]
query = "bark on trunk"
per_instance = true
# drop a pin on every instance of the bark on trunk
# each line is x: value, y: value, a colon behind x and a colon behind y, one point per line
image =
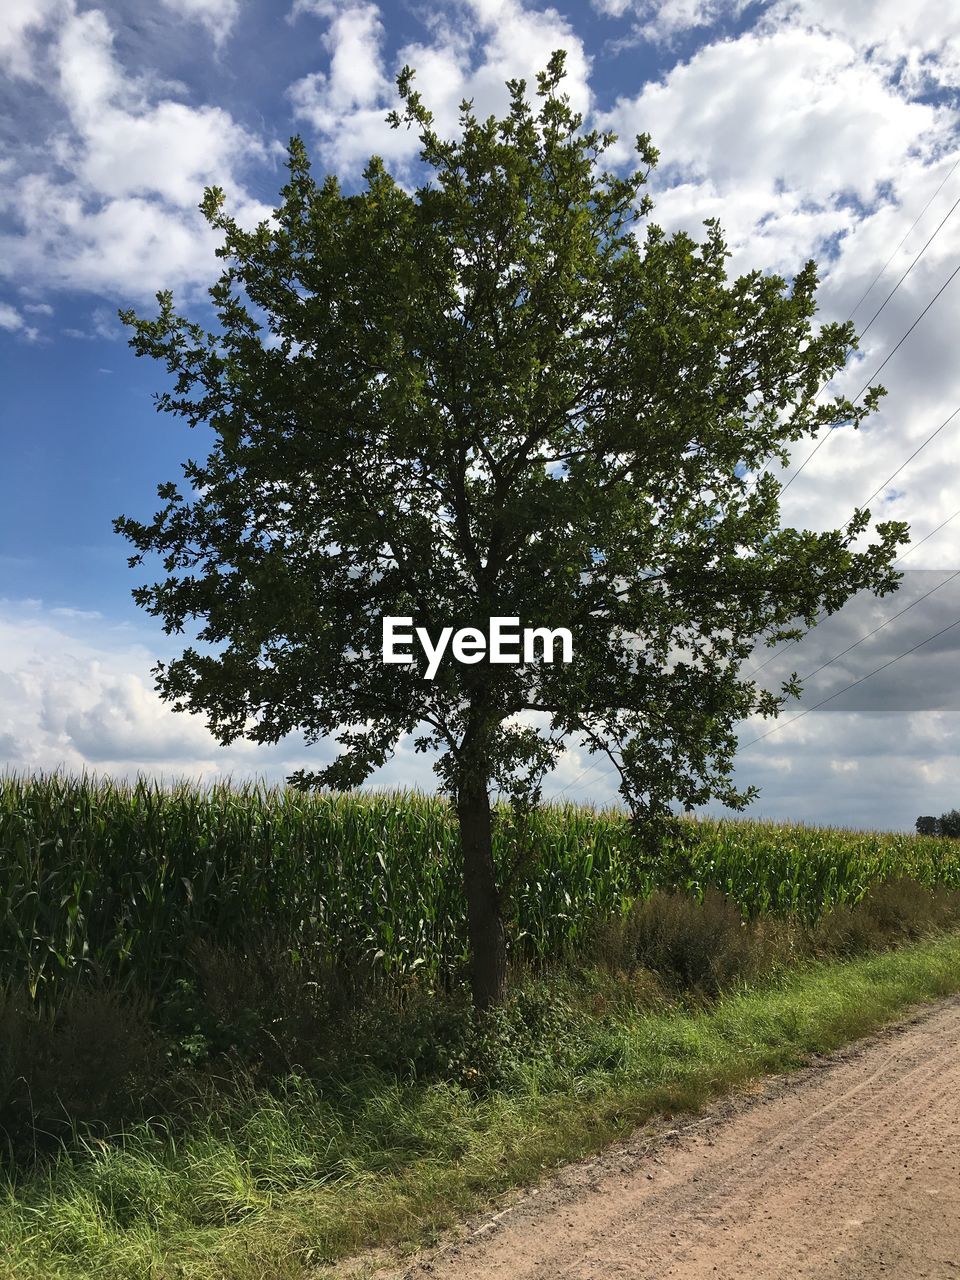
x: 488, y: 951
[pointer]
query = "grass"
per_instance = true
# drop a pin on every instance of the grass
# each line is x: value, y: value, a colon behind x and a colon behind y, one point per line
x: 272, y: 1184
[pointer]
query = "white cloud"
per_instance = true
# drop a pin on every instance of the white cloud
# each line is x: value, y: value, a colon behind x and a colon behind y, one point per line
x: 10, y: 318
x: 792, y: 112
x: 218, y: 16
x: 612, y: 8
x: 516, y: 42
x: 76, y: 692
x: 804, y: 146
x: 60, y: 674
x: 21, y: 21
x: 919, y: 42
x: 319, y: 8
x: 476, y: 46
x: 13, y: 322
x: 122, y: 247
x: 124, y: 221
x: 124, y: 721
x: 344, y: 103
x: 660, y: 20
x: 129, y: 147
x: 787, y: 134
x: 355, y: 78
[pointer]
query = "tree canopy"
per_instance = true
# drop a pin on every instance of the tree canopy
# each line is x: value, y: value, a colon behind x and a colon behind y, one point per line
x: 948, y: 824
x: 508, y: 393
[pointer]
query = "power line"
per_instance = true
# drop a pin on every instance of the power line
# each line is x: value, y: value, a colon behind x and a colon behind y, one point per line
x: 591, y: 768
x: 911, y: 266
x: 946, y: 422
x: 810, y: 674
x: 870, y: 287
x: 941, y: 525
x: 935, y: 432
x: 571, y: 785
x: 820, y: 443
x: 837, y: 656
x: 883, y: 363
x: 906, y: 653
x: 906, y: 273
x: 782, y: 649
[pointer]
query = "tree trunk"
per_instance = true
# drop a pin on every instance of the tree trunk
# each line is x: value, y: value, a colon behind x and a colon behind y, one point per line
x: 488, y: 951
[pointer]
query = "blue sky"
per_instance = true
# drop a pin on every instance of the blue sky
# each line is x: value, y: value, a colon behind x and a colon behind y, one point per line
x: 808, y: 127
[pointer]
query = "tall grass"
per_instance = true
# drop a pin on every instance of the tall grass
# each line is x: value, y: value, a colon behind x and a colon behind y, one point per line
x: 271, y: 1185
x: 119, y: 879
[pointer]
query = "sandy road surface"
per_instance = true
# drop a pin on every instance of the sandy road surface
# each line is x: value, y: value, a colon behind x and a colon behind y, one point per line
x: 847, y: 1170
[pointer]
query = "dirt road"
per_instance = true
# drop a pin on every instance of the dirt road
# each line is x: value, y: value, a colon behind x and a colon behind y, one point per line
x: 847, y: 1170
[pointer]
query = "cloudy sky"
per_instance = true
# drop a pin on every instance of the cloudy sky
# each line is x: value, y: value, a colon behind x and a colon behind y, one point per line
x: 823, y: 128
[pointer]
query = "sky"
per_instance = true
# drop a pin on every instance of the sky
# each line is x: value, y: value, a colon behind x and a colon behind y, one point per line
x: 809, y: 128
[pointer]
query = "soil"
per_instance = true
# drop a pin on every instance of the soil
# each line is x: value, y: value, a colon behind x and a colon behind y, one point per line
x: 848, y: 1169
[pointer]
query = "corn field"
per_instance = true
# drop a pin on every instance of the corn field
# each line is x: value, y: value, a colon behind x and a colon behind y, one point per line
x: 118, y: 879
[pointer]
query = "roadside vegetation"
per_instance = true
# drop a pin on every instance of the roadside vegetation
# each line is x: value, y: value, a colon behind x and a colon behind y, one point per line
x: 236, y: 1032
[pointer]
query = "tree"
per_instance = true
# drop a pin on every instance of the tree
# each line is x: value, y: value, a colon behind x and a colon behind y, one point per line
x: 948, y: 824
x: 494, y: 398
x: 928, y: 826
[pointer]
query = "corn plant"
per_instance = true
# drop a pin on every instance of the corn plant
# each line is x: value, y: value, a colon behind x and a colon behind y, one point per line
x: 119, y: 879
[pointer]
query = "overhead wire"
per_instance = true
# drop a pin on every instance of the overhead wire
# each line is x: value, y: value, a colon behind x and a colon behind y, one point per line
x: 810, y: 674
x: 913, y: 226
x: 920, y: 599
x: 877, y: 491
x: 816, y: 671
x: 866, y: 386
x: 906, y: 653
x: 926, y: 246
x: 926, y: 536
x: 903, y: 277
x: 933, y: 434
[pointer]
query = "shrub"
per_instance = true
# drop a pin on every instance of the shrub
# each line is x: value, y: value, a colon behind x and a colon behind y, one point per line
x: 89, y: 1061
x: 890, y: 911
x: 844, y: 930
x: 701, y: 945
x: 272, y: 1007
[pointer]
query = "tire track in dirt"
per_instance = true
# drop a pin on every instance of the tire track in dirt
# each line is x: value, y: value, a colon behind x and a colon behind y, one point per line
x: 846, y: 1170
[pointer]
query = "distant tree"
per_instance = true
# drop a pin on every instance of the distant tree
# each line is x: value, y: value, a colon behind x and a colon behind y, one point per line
x: 949, y: 824
x: 928, y: 826
x: 493, y: 397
